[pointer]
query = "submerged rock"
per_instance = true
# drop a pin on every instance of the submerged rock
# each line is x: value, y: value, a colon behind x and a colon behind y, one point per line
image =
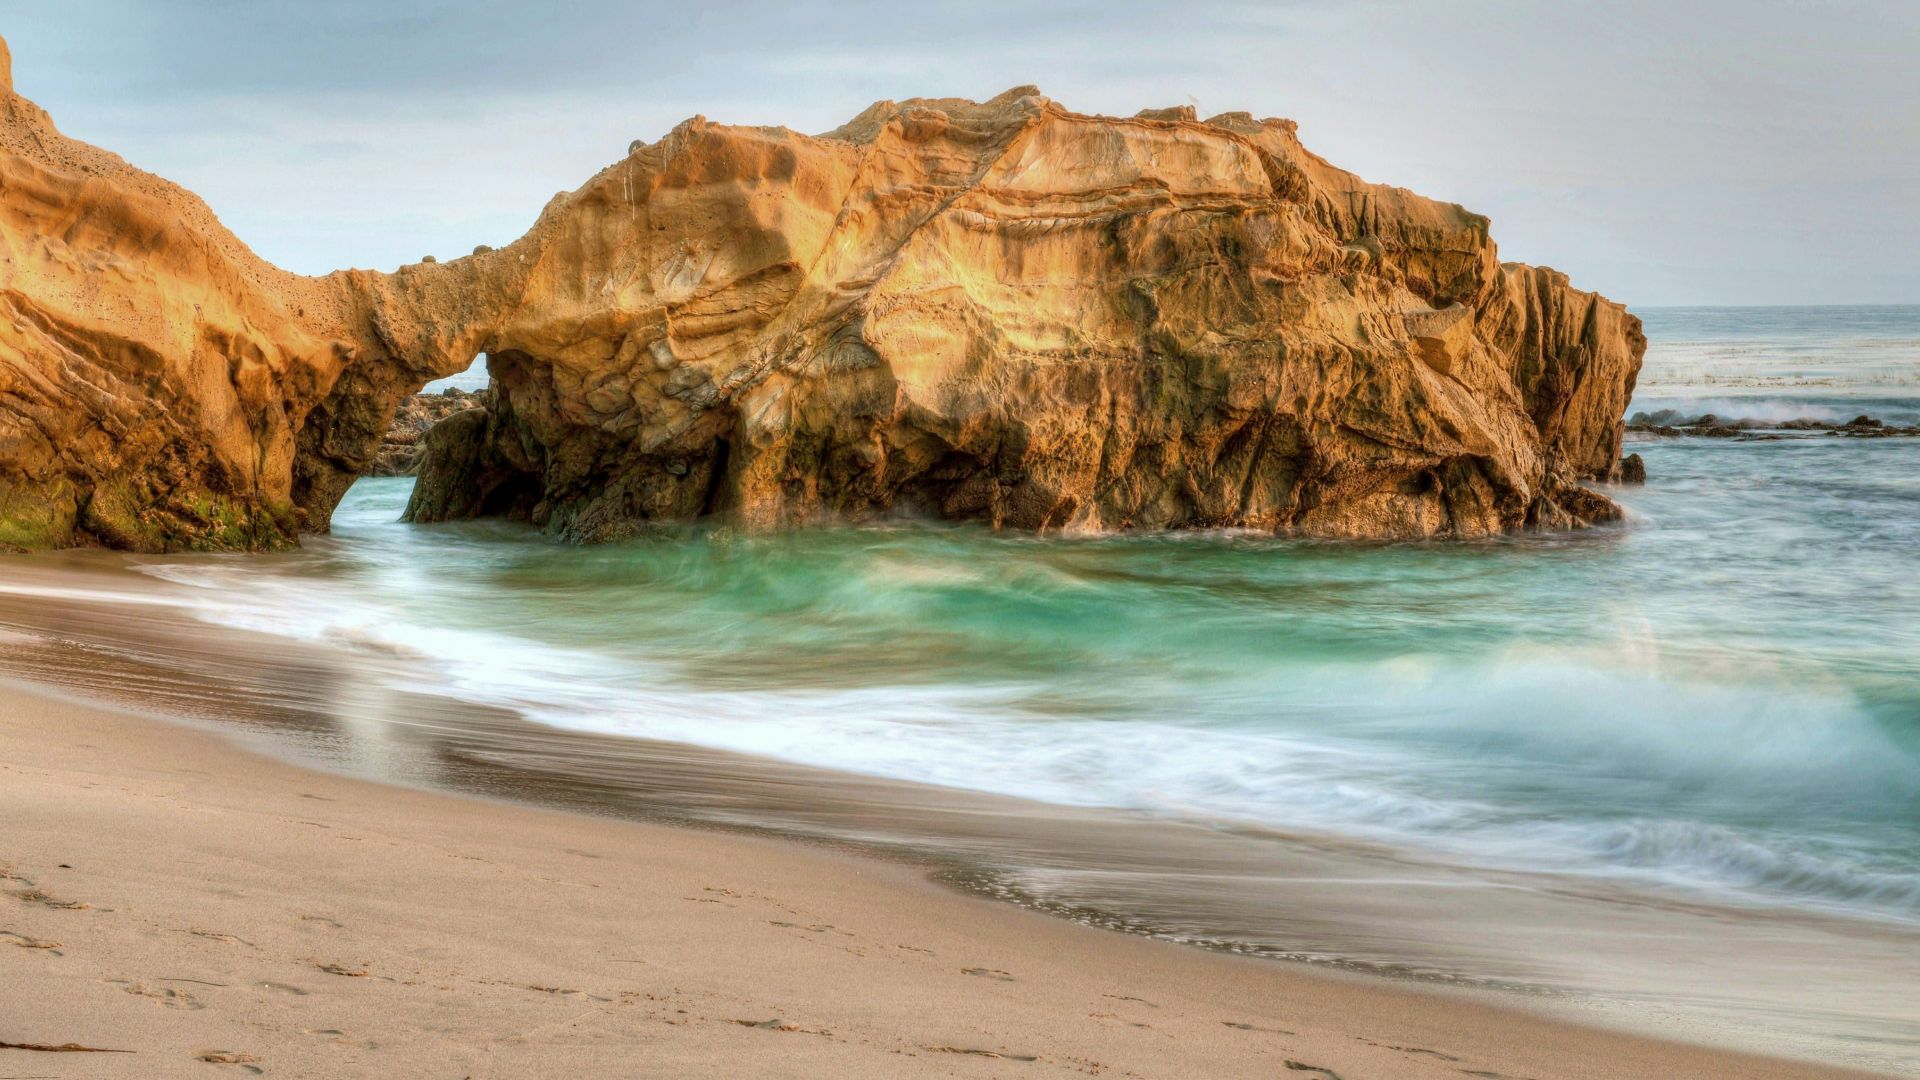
x: 1633, y: 469
x: 1003, y: 311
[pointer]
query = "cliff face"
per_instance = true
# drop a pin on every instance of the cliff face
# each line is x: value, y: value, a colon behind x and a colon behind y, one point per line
x: 1003, y: 311
x: 162, y: 387
x: 150, y: 366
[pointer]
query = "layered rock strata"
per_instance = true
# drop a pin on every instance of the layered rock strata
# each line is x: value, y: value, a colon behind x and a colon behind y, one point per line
x: 1003, y: 311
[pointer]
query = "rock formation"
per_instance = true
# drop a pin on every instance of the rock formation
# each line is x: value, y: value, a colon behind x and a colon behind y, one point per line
x: 162, y: 387
x: 405, y: 440
x: 1672, y: 423
x: 1001, y: 311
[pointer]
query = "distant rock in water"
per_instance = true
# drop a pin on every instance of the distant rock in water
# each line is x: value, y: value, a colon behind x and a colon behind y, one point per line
x: 1866, y: 427
x: 1004, y: 312
x: 400, y: 448
x: 1672, y: 423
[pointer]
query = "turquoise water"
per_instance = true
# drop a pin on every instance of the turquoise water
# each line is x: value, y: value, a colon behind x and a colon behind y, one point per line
x: 1721, y: 699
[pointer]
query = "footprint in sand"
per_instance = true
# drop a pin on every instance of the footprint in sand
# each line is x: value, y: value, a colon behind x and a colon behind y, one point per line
x: 561, y: 991
x: 215, y: 935
x: 45, y: 899
x: 1117, y: 1019
x: 230, y: 1057
x: 1254, y: 1027
x: 815, y: 928
x: 981, y: 1053
x: 777, y: 1024
x: 160, y: 995
x: 340, y: 969
x: 26, y: 942
x: 1413, y: 1050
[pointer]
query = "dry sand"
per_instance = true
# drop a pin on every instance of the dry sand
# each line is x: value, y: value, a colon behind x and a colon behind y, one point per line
x: 211, y: 911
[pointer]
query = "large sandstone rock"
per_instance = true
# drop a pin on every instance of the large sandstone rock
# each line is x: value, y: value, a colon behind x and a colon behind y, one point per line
x: 162, y: 387
x: 1005, y: 311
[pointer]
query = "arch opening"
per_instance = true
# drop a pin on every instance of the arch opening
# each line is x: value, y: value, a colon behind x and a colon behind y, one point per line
x: 375, y: 427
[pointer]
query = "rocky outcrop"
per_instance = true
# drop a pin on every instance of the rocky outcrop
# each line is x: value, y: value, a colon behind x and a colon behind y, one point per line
x: 405, y: 440
x: 1001, y: 311
x: 1633, y: 469
x: 1672, y: 423
x: 162, y: 387
x: 152, y: 370
x: 1013, y: 313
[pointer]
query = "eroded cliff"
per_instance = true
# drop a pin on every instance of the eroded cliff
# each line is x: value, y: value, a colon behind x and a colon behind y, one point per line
x: 162, y: 387
x: 1000, y: 311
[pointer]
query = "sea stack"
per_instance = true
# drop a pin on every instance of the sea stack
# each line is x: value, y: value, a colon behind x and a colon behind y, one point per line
x: 1004, y: 312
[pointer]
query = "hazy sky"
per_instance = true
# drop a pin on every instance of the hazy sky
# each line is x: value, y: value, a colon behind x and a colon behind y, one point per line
x: 1663, y: 152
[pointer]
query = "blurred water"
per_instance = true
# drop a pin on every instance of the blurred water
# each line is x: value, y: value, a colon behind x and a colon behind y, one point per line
x: 1721, y: 698
x: 1666, y: 775
x: 1784, y: 363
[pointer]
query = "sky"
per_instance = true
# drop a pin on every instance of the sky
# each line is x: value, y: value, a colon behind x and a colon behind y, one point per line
x: 1664, y: 153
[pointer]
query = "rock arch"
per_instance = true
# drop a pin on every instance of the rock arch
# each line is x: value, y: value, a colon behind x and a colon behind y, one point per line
x: 1004, y: 311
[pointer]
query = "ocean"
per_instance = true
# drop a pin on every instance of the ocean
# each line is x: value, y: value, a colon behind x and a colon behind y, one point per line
x: 1714, y: 707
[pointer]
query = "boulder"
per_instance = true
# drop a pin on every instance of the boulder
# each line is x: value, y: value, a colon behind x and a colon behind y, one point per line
x: 1633, y: 469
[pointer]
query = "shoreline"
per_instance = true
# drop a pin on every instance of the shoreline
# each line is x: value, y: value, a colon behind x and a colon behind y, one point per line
x: 322, y: 908
x: 1663, y: 967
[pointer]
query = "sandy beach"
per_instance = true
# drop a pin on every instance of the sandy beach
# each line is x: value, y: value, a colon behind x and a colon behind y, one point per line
x: 1304, y: 541
x: 197, y: 908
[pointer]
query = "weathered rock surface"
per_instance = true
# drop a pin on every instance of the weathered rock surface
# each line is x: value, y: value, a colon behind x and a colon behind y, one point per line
x: 162, y: 387
x: 999, y: 311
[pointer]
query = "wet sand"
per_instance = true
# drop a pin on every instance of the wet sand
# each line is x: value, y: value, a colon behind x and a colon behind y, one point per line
x: 1793, y: 984
x: 172, y: 895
